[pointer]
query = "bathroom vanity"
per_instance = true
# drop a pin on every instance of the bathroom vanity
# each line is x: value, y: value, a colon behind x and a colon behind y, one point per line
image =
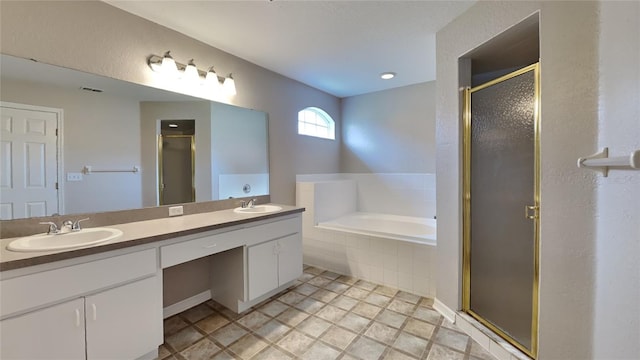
x: 105, y: 301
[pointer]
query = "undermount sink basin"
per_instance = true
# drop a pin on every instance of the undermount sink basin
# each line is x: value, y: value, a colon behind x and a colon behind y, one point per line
x: 70, y: 240
x: 258, y: 209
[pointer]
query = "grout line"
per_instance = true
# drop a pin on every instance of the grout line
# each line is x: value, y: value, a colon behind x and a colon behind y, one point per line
x: 325, y: 279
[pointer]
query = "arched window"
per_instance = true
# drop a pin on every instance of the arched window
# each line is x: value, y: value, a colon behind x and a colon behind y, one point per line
x: 314, y: 121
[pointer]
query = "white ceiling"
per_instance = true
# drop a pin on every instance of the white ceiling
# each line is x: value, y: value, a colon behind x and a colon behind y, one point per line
x: 340, y: 47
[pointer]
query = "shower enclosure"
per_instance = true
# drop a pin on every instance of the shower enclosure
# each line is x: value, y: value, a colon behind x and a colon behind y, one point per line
x: 501, y: 206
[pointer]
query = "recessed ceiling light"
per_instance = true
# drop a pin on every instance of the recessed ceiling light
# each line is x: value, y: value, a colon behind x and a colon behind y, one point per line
x: 173, y: 125
x: 387, y: 75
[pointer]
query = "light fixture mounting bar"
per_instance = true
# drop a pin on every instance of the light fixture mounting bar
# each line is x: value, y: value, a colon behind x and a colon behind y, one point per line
x: 166, y: 65
x: 155, y: 62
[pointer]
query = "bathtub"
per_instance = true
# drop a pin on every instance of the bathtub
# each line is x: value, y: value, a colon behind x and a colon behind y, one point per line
x: 402, y: 228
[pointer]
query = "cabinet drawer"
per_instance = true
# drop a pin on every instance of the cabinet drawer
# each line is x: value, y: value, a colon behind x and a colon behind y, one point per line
x: 34, y: 290
x: 179, y: 253
x: 270, y: 231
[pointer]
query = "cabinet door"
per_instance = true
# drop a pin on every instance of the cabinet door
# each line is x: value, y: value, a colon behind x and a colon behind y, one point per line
x: 56, y: 332
x: 263, y: 268
x: 289, y: 258
x: 125, y: 322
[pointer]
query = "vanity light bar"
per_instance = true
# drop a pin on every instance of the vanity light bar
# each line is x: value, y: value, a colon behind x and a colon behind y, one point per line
x: 167, y: 66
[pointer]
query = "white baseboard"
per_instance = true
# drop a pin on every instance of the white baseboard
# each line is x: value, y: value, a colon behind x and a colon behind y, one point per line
x: 245, y: 305
x: 185, y: 304
x: 444, y: 310
x: 149, y: 356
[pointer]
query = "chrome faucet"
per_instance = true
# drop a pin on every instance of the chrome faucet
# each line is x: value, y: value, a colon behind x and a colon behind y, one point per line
x: 249, y: 204
x: 67, y: 226
x: 72, y: 225
x: 76, y: 224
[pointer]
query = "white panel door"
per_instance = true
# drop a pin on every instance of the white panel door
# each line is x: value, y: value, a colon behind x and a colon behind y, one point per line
x: 56, y: 332
x: 28, y: 165
x: 263, y: 268
x: 125, y: 322
x: 289, y: 258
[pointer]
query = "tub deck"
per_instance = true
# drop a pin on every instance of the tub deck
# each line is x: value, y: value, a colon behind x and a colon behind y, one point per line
x: 402, y: 228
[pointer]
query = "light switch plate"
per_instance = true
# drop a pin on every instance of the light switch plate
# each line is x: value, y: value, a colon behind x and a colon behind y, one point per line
x: 176, y: 210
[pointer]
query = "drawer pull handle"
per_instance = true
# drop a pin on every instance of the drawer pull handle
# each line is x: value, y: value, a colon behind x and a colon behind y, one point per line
x: 77, y: 318
x: 210, y: 246
x: 95, y: 312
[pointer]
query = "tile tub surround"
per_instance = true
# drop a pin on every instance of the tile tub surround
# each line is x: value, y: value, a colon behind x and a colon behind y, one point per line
x: 397, y: 194
x: 403, y: 265
x: 324, y: 316
x: 407, y: 266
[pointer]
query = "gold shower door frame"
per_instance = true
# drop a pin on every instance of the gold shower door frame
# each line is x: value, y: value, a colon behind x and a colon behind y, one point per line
x: 160, y: 166
x: 466, y: 273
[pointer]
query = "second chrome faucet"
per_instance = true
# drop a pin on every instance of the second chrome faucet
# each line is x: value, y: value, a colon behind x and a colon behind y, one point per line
x: 249, y: 204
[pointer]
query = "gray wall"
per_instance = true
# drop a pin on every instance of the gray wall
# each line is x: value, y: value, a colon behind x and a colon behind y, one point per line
x: 95, y: 37
x: 391, y: 131
x: 582, y: 314
x: 238, y: 142
x: 617, y: 293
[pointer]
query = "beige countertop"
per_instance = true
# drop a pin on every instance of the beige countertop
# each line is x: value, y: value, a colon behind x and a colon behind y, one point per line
x: 141, y: 232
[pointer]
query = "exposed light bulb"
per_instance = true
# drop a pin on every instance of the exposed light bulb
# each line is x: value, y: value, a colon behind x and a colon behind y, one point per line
x: 212, y: 79
x: 191, y: 73
x: 229, y: 85
x: 168, y: 65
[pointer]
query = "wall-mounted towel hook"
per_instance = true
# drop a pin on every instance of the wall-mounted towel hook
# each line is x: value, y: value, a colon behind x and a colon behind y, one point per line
x: 601, y: 161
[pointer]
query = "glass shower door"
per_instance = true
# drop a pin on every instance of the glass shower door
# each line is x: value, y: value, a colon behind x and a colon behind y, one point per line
x: 176, y: 158
x: 501, y: 206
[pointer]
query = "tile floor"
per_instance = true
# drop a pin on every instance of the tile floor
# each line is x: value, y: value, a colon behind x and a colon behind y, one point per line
x: 324, y: 316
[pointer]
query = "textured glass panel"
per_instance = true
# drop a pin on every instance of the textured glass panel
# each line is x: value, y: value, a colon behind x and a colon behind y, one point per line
x: 502, y: 184
x: 177, y: 170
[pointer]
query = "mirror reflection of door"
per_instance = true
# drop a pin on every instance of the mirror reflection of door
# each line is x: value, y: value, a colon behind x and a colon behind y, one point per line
x: 28, y: 161
x: 176, y: 156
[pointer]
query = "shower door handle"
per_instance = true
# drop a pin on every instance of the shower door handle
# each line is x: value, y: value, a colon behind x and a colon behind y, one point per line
x: 528, y: 209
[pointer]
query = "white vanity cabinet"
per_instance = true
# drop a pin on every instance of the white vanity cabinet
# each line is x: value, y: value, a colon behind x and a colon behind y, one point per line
x: 247, y: 263
x: 273, y: 264
x: 124, y: 323
x: 109, y: 305
x: 56, y: 332
x: 103, y: 309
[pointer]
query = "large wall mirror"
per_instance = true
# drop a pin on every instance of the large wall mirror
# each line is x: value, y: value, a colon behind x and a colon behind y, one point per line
x: 118, y: 145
